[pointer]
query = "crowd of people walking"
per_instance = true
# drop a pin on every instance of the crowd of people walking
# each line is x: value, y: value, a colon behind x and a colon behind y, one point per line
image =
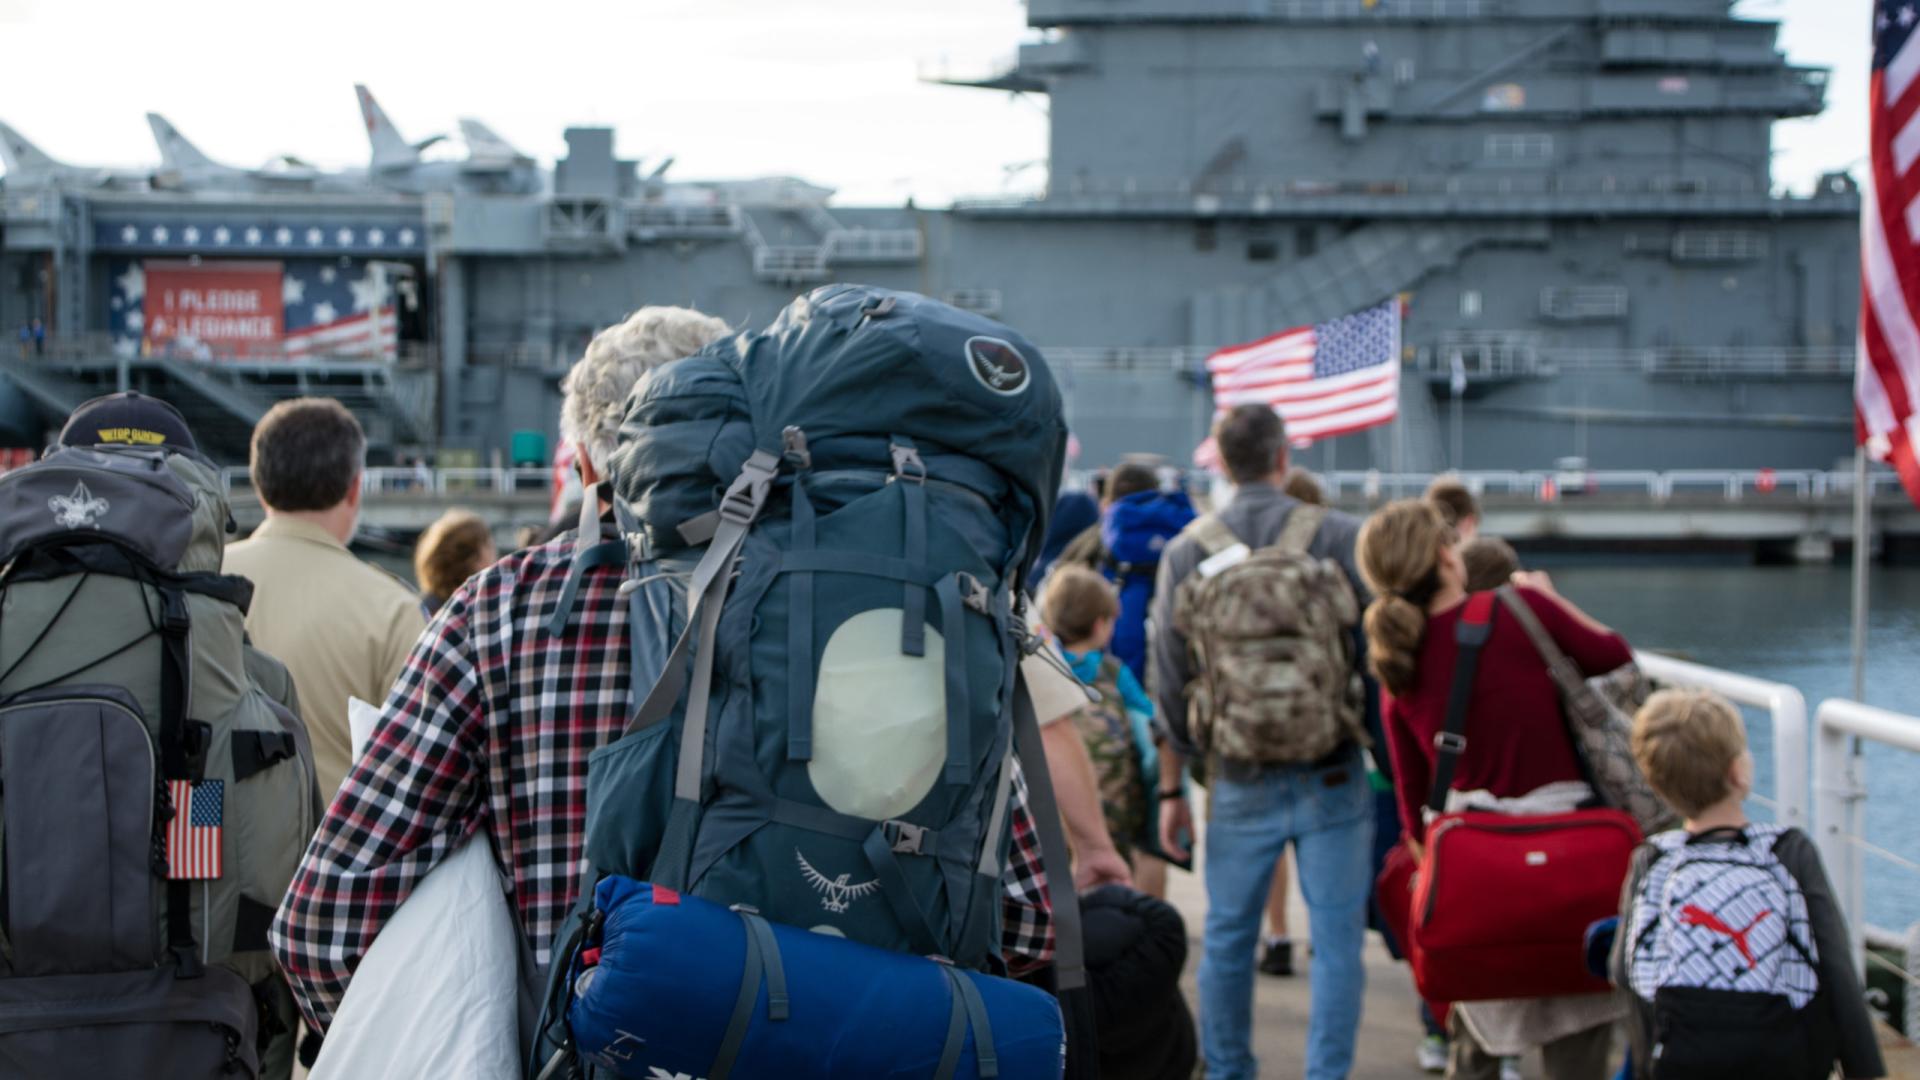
x: 1232, y: 683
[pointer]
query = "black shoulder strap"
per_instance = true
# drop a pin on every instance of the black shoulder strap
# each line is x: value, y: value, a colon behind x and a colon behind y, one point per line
x: 1476, y: 624
x: 183, y: 756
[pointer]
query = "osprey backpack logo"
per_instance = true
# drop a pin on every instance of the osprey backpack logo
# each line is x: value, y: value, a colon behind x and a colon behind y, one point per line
x: 836, y: 895
x: 998, y: 365
x: 78, y: 510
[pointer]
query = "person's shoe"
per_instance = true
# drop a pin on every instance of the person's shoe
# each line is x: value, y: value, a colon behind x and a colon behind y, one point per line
x: 1510, y: 1069
x: 1432, y: 1054
x: 1278, y: 959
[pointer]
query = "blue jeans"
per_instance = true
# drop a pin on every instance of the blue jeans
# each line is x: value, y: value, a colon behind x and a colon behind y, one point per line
x: 1327, y: 814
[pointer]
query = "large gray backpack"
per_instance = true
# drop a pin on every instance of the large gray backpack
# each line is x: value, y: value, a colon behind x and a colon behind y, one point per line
x: 834, y: 517
x: 156, y: 786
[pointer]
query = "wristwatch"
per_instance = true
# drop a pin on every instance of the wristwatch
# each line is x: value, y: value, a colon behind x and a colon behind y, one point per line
x: 1174, y: 794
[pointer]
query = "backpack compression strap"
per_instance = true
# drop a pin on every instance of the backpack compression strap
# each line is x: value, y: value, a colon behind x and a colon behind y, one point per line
x: 707, y: 594
x: 1069, y: 951
x: 1471, y: 633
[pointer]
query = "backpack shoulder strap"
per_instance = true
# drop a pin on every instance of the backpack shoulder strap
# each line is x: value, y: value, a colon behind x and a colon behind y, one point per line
x: 1211, y: 533
x: 1303, y: 524
x: 1069, y: 955
x: 1475, y: 626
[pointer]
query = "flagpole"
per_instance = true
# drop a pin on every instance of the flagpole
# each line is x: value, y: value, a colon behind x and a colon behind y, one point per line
x: 1862, y: 552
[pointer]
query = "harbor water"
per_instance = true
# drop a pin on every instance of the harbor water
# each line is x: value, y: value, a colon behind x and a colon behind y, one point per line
x: 1790, y: 625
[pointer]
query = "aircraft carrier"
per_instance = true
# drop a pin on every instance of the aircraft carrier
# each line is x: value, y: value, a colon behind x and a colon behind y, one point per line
x: 1574, y: 198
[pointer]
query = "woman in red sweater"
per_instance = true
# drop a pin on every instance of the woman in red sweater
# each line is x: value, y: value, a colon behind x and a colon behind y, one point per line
x: 1517, y: 743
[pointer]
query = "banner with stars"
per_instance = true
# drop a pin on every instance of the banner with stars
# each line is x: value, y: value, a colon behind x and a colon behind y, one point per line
x: 322, y: 309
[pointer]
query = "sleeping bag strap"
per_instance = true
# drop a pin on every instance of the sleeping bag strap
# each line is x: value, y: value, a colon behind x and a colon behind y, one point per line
x: 1470, y: 634
x: 777, y: 1000
x: 956, y: 1036
x: 907, y: 466
x: 953, y: 624
x: 800, y: 633
x: 1069, y: 953
x: 742, y: 1003
x: 589, y: 552
x: 707, y: 594
x: 967, y: 996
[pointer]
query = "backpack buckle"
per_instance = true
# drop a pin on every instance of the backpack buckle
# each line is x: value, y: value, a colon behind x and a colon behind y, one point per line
x: 907, y: 464
x: 1448, y: 742
x: 748, y: 492
x: 793, y: 448
x: 975, y: 593
x: 907, y: 838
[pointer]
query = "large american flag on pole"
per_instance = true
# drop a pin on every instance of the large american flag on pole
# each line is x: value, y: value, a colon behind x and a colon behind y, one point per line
x: 1331, y: 378
x: 1887, y: 378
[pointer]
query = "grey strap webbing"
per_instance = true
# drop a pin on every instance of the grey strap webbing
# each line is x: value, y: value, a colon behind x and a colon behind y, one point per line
x: 800, y: 634
x: 1303, y: 524
x: 707, y: 595
x: 956, y: 1035
x: 990, y: 849
x: 741, y: 505
x: 763, y: 961
x: 953, y: 624
x: 587, y: 554
x: 913, y: 498
x: 967, y: 996
x: 1069, y: 954
x: 1212, y: 534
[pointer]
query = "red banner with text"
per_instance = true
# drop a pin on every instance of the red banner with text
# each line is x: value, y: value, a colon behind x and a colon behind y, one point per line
x: 213, y: 310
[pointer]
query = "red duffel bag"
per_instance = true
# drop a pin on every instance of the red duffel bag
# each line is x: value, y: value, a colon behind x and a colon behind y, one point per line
x: 1500, y: 903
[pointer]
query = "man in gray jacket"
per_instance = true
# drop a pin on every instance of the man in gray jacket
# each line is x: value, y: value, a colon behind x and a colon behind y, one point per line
x: 1323, y: 808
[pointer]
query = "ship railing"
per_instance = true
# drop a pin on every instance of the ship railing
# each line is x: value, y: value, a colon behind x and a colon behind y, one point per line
x: 675, y: 219
x: 872, y: 245
x: 1841, y: 728
x: 1786, y: 707
x: 1162, y: 190
x: 1578, y: 482
x: 1398, y: 9
x: 1521, y: 356
x: 401, y: 482
x: 24, y: 207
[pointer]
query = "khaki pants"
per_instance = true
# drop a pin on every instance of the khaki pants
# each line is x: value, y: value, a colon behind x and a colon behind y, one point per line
x: 1580, y: 1056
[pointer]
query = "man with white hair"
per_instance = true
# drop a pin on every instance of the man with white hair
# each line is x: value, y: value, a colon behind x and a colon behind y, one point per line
x: 491, y: 723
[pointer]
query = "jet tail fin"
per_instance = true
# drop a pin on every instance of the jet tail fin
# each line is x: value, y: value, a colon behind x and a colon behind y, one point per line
x: 175, y: 151
x: 22, y: 158
x: 389, y: 149
x: 484, y: 144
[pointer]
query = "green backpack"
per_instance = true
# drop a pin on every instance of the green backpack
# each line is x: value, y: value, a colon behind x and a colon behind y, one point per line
x: 156, y: 786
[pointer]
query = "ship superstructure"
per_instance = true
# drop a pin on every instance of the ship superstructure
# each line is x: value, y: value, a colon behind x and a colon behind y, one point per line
x: 1574, y: 197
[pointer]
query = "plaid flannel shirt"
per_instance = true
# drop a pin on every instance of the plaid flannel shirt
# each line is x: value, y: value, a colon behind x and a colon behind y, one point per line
x: 489, y: 727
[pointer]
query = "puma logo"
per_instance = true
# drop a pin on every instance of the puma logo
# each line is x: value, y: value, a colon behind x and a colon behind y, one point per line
x: 1693, y: 915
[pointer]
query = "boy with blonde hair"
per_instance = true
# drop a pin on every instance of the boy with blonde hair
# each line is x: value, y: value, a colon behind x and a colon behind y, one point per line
x: 1080, y: 609
x: 1735, y: 955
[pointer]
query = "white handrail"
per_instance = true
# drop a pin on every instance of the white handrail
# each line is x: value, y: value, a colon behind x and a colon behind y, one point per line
x: 1786, y: 705
x: 1840, y: 792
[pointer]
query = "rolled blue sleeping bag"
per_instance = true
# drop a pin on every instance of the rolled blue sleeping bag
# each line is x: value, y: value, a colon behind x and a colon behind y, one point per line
x: 677, y: 985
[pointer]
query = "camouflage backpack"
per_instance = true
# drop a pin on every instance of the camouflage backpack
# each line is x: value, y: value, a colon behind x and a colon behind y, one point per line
x: 1116, y: 760
x: 1270, y: 636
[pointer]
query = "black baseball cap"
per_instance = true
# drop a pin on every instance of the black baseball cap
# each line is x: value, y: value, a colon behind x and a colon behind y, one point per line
x: 129, y: 418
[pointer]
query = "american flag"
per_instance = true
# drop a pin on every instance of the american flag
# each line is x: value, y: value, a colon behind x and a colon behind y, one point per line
x: 193, y: 836
x: 1332, y: 378
x: 1887, y: 379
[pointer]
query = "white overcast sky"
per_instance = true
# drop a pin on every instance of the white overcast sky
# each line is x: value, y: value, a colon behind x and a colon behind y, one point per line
x: 822, y: 89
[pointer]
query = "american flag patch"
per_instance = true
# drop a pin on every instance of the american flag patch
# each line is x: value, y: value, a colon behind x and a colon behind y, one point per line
x: 193, y: 836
